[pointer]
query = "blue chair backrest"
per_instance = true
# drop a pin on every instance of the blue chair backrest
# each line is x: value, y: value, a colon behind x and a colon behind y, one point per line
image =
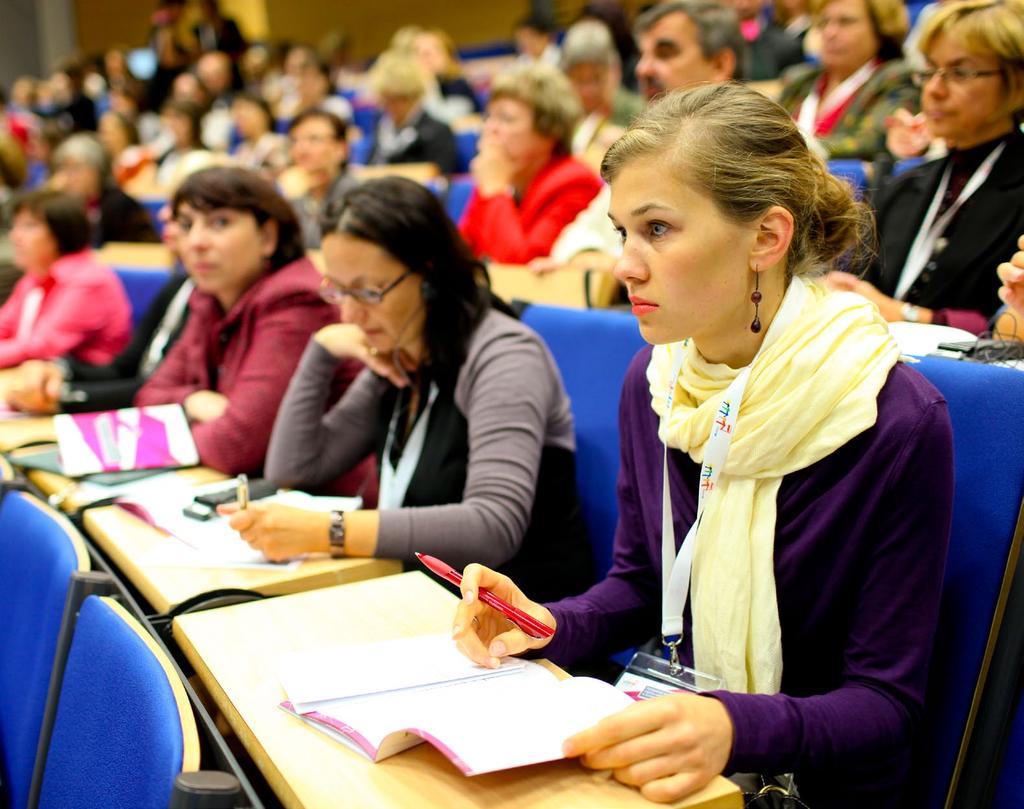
x: 593, y: 348
x: 360, y: 151
x: 124, y: 728
x: 152, y: 205
x: 465, y: 147
x: 460, y: 189
x: 39, y: 551
x: 365, y: 116
x: 141, y: 284
x: 988, y: 440
x: 852, y: 171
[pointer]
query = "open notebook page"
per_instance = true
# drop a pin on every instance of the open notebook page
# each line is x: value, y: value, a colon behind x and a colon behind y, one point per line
x: 481, y: 725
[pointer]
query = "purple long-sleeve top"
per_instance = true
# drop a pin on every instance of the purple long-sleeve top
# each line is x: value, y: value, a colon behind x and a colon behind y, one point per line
x: 860, y: 546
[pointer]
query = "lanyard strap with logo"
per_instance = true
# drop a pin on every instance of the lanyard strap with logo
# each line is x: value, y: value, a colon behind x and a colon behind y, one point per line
x: 931, y: 229
x: 676, y: 566
x: 394, y: 480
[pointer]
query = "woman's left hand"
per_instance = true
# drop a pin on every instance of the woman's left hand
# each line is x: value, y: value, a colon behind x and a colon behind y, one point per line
x: 280, y: 532
x: 891, y: 309
x: 667, y: 746
x: 205, y: 405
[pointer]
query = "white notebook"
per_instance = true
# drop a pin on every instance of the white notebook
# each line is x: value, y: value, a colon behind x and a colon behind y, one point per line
x: 483, y: 720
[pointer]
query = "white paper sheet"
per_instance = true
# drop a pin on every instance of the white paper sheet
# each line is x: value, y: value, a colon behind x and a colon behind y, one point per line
x: 341, y: 672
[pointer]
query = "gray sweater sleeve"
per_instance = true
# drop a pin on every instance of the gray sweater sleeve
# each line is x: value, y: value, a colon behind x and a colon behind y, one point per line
x: 309, y: 447
x: 512, y: 398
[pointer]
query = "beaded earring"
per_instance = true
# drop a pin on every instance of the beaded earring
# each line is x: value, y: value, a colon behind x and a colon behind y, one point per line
x: 755, y: 298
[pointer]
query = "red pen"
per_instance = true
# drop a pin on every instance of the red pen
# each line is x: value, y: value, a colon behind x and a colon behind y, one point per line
x: 530, y: 625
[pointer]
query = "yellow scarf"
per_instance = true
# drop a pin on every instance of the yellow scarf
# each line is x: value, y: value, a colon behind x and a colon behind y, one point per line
x: 812, y: 388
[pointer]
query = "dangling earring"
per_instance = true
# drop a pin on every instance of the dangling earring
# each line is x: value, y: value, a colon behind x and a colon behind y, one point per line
x: 755, y: 298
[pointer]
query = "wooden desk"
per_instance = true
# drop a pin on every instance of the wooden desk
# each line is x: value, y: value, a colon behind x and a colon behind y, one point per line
x: 140, y: 255
x: 234, y: 651
x: 568, y: 286
x: 419, y: 172
x: 126, y: 540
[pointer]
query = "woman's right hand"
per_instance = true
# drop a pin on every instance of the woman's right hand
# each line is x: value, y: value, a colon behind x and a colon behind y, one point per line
x: 36, y: 387
x: 483, y: 634
x: 906, y: 134
x: 347, y: 340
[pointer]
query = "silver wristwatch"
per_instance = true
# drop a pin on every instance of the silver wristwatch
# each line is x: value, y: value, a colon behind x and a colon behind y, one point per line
x: 336, y: 534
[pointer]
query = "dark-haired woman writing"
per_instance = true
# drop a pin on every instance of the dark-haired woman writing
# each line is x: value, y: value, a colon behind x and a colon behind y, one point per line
x: 461, y: 404
x: 253, y: 309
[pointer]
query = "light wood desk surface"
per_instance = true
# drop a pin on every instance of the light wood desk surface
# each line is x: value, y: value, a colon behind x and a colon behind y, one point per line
x: 234, y: 651
x: 127, y: 540
x: 566, y: 286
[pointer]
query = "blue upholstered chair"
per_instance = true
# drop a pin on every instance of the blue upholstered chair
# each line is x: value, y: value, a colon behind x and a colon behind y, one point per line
x: 593, y: 348
x: 142, y: 284
x: 988, y: 435
x: 124, y: 727
x: 465, y: 146
x: 39, y: 550
x: 460, y: 189
x: 852, y: 171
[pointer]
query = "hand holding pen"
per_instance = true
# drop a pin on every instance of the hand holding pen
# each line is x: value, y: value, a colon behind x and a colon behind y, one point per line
x: 485, y: 635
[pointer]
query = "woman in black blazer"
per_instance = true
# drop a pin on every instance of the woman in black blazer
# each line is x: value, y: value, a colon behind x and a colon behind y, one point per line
x: 943, y: 226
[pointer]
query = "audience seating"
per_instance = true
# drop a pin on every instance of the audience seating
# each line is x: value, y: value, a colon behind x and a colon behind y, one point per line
x: 142, y: 285
x: 852, y: 171
x: 124, y: 727
x: 153, y: 205
x: 465, y: 145
x: 592, y: 348
x: 39, y: 550
x: 460, y: 189
x: 359, y: 150
x: 982, y: 553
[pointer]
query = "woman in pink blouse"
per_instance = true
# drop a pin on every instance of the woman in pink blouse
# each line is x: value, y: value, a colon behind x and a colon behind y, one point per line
x: 66, y: 302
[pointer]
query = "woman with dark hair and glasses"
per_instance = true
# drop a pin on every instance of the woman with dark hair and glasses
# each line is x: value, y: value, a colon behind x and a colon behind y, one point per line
x: 461, y: 404
x: 253, y: 310
x: 943, y: 226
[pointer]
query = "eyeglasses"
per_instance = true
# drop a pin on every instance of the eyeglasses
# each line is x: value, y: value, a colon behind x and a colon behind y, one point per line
x: 958, y: 74
x: 333, y: 293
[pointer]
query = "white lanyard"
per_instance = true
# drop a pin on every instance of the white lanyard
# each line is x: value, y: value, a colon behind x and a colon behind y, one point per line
x: 931, y: 230
x: 676, y: 567
x: 394, y: 480
x: 30, y: 306
x: 808, y: 118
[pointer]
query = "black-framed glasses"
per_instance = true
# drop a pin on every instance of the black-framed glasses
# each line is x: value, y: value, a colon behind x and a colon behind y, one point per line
x: 333, y: 293
x: 958, y: 74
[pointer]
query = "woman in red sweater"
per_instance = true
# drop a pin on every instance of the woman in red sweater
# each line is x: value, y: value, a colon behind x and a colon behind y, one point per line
x: 254, y: 308
x: 528, y: 188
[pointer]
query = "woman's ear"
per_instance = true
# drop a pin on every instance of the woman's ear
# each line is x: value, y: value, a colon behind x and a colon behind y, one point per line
x: 268, y: 238
x: 774, y: 235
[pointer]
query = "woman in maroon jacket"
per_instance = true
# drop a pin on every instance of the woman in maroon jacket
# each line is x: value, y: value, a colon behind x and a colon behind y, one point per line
x: 253, y: 311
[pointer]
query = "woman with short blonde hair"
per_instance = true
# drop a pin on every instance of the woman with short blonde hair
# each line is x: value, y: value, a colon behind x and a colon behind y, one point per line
x: 527, y: 187
x: 406, y: 132
x: 944, y: 225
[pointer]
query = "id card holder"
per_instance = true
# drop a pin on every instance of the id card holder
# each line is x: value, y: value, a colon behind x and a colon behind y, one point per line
x: 649, y: 676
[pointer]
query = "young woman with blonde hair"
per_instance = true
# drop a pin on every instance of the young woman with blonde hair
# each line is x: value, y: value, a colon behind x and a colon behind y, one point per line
x: 772, y: 426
